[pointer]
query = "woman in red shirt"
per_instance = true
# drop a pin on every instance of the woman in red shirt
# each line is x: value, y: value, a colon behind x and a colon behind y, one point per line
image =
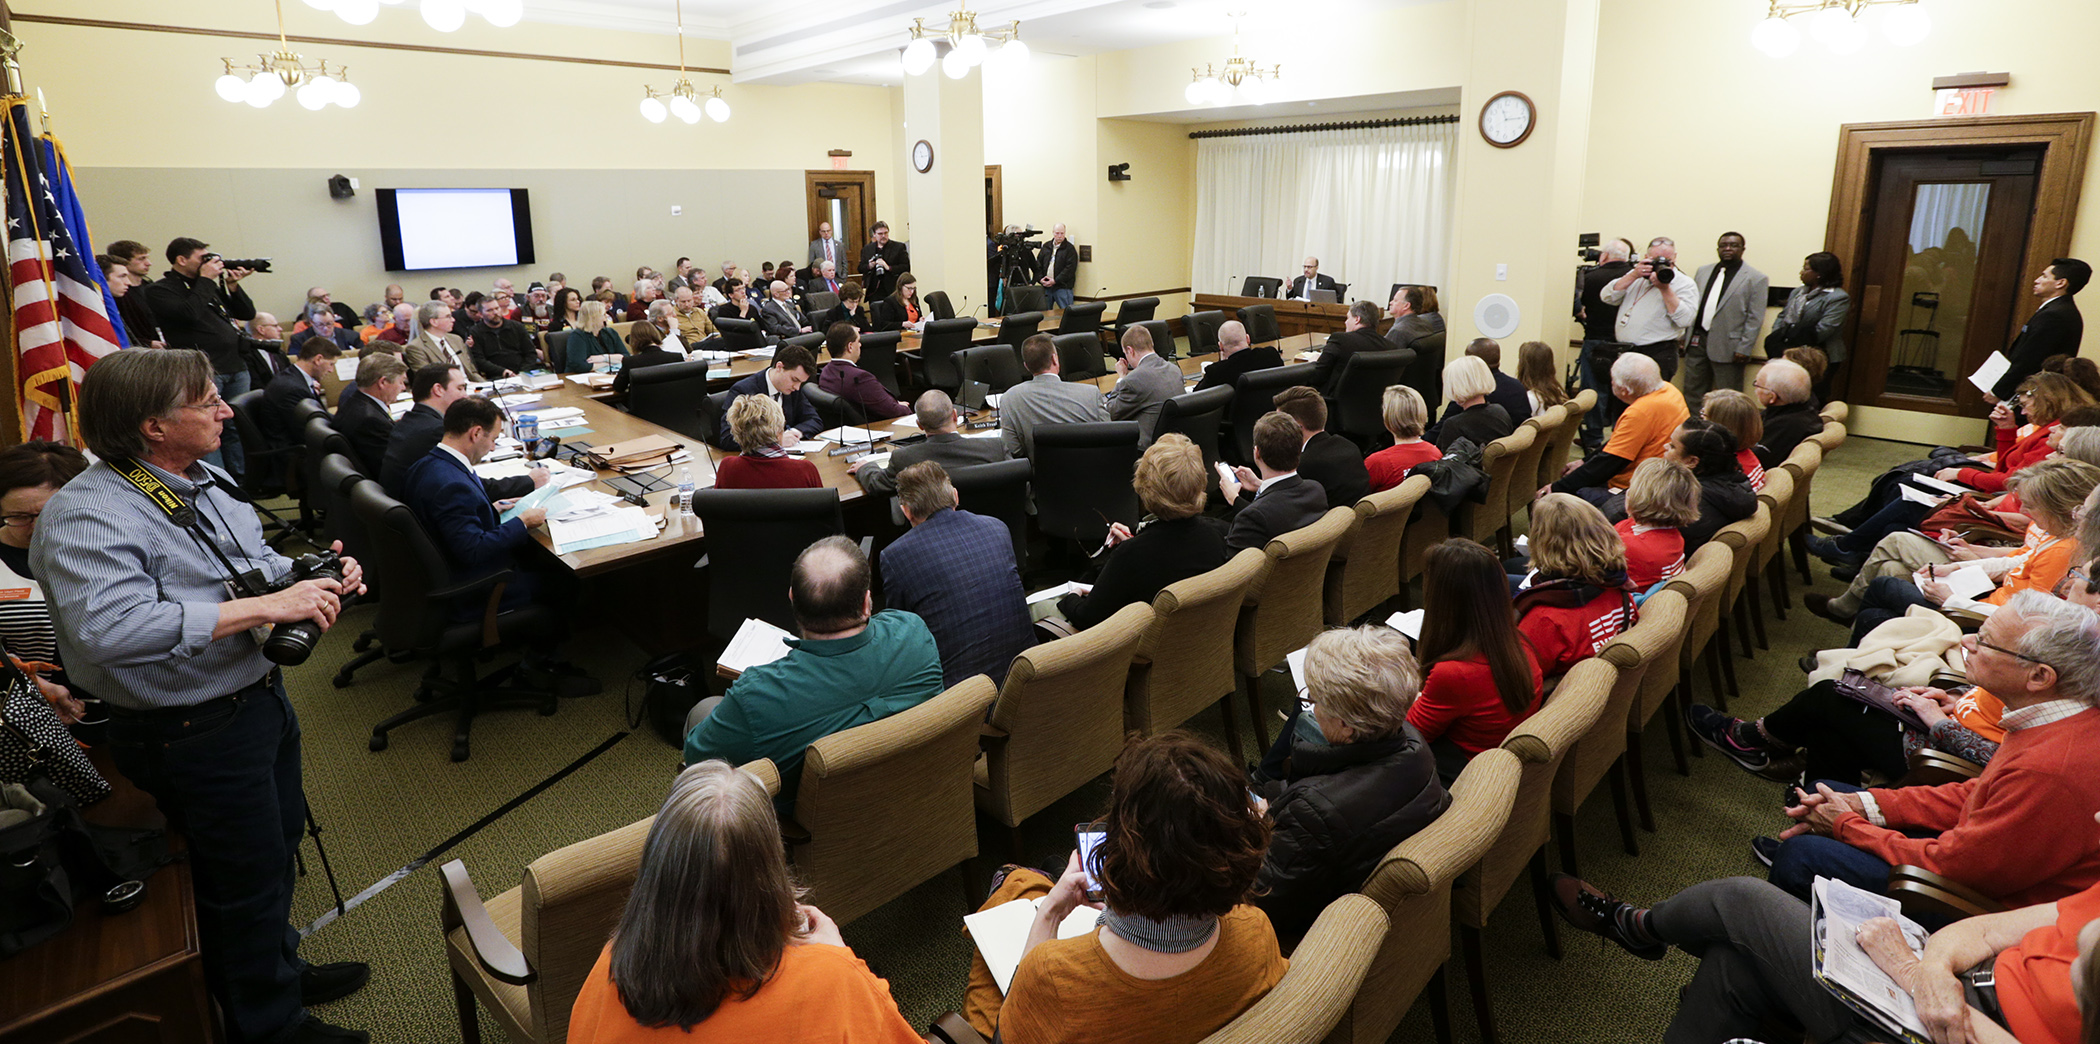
x: 1482, y: 678
x: 1577, y: 601
x: 1405, y: 415
x: 1735, y: 411
x: 757, y: 423
x: 1662, y: 498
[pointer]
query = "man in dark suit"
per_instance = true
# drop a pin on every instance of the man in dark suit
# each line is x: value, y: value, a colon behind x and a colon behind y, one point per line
x: 843, y: 377
x: 1278, y: 500
x: 1057, y: 267
x: 448, y: 497
x: 1235, y: 358
x: 792, y: 368
x: 278, y: 412
x: 882, y: 261
x: 780, y: 315
x: 323, y: 324
x: 436, y: 388
x: 1359, y: 334
x: 501, y: 347
x: 1328, y: 459
x: 2055, y: 328
x: 937, y: 417
x: 364, y: 418
x: 956, y: 570
x: 1303, y: 286
x: 1509, y: 392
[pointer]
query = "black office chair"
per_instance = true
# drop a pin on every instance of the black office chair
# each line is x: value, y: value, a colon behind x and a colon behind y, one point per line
x: 937, y: 305
x: 740, y: 335
x: 1202, y: 328
x: 878, y: 355
x: 999, y: 490
x: 814, y: 341
x: 1162, y: 338
x: 557, y: 350
x: 272, y: 470
x: 1083, y: 478
x: 1198, y: 415
x: 1135, y: 310
x: 1081, y: 317
x: 994, y: 365
x: 832, y: 410
x: 1254, y: 395
x: 418, y: 591
x: 817, y: 302
x: 711, y: 409
x: 307, y: 409
x: 941, y: 342
x: 1026, y: 298
x: 1341, y: 293
x: 1079, y: 356
x: 1359, y: 410
x: 339, y: 476
x: 753, y: 536
x: 1261, y: 286
x: 669, y: 395
x: 1260, y: 321
x: 1016, y: 327
x: 1426, y: 373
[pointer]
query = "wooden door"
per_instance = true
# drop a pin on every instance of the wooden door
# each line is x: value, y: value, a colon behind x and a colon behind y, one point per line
x: 846, y: 199
x: 1944, y: 281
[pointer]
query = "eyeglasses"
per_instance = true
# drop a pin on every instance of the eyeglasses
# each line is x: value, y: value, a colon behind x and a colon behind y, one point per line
x: 211, y: 405
x: 22, y: 521
x: 1981, y: 644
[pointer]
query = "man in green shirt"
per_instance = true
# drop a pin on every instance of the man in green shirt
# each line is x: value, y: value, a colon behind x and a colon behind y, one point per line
x: 850, y: 667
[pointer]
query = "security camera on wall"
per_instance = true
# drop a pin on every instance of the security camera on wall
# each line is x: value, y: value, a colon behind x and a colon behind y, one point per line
x: 1119, y: 172
x: 339, y: 187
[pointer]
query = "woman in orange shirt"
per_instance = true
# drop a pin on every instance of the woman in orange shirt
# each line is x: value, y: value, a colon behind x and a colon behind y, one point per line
x: 713, y: 945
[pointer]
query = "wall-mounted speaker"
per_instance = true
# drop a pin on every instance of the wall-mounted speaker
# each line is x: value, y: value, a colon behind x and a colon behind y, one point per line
x: 339, y: 187
x: 1497, y: 315
x: 1119, y: 172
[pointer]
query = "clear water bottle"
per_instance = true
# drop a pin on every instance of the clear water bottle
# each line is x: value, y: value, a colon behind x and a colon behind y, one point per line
x: 685, y: 492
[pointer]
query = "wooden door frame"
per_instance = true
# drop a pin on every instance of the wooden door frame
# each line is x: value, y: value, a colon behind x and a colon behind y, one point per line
x: 2064, y: 139
x: 866, y: 180
x: 996, y: 174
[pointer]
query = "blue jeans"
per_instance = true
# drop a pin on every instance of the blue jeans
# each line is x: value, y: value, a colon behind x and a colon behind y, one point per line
x: 229, y: 455
x: 1892, y: 518
x: 1803, y: 859
x: 1886, y: 599
x: 1060, y: 297
x: 1608, y: 405
x: 226, y: 774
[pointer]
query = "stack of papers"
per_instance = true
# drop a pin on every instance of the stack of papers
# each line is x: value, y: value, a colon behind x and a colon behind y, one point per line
x: 562, y: 475
x: 756, y: 642
x: 760, y: 353
x: 1002, y: 932
x: 1408, y: 623
x: 398, y: 410
x: 513, y: 402
x: 1931, y: 483
x: 1968, y: 582
x: 1061, y: 590
x: 847, y: 433
x: 547, y: 498
x: 603, y: 527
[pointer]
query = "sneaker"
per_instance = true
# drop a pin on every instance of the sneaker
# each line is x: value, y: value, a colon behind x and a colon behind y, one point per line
x: 1716, y: 729
x: 321, y: 983
x: 1808, y: 663
x: 1765, y: 849
x: 1587, y: 909
x: 1828, y: 525
x: 314, y: 1031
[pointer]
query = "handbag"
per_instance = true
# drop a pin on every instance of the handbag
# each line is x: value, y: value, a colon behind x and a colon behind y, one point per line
x: 52, y: 860
x: 671, y: 685
x: 34, y: 742
x: 1455, y: 477
x: 1973, y: 522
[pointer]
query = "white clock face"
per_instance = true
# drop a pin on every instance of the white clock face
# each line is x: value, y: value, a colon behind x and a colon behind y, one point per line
x: 922, y: 156
x: 1505, y: 119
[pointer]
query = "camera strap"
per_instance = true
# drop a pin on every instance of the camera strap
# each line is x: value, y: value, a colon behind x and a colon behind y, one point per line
x: 179, y: 511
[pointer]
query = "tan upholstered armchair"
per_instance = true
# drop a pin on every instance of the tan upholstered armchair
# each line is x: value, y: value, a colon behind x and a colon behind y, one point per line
x: 1778, y: 495
x: 1184, y: 663
x: 526, y: 952
x: 1488, y: 523
x: 1703, y: 583
x: 1562, y: 441
x: 1742, y: 539
x: 1658, y: 682
x: 1544, y: 425
x: 1365, y: 571
x: 1602, y: 752
x: 1285, y: 611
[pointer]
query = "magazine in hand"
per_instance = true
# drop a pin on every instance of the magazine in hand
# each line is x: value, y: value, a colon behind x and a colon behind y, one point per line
x: 1836, y: 911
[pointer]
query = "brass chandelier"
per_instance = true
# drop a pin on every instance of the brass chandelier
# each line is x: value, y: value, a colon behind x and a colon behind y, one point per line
x: 1837, y: 24
x: 684, y: 97
x: 273, y: 75
x: 1240, y: 76
x: 968, y: 46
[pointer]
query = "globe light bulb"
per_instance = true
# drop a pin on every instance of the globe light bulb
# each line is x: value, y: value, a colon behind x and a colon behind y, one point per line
x: 231, y: 87
x: 1906, y: 26
x: 1216, y: 91
x: 444, y: 15
x: 257, y: 93
x: 1254, y: 90
x: 503, y: 13
x: 955, y: 65
x: 314, y: 94
x: 321, y: 5
x: 347, y: 95
x: 1776, y: 37
x: 1194, y: 92
x: 653, y: 110
x: 1829, y: 24
x: 718, y: 110
x: 1015, y: 54
x: 972, y: 49
x: 1845, y: 36
x: 357, y: 12
x: 683, y: 108
x: 918, y: 56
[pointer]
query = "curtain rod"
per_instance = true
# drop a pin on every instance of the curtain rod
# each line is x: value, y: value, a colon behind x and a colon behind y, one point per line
x: 1244, y: 132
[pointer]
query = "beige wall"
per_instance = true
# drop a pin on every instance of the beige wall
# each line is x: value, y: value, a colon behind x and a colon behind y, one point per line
x: 1039, y: 129
x: 1152, y: 216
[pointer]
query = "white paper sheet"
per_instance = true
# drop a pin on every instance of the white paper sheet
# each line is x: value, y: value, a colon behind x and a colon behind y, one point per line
x: 547, y: 496
x: 1061, y: 590
x: 601, y: 528
x: 346, y: 368
x: 1844, y: 967
x: 1919, y: 496
x: 1991, y: 372
x: 756, y: 642
x: 1408, y: 623
x: 1002, y: 931
x: 847, y: 433
x: 1966, y: 582
x: 1931, y: 483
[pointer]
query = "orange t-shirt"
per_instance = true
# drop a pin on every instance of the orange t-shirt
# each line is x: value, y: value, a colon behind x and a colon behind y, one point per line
x: 2034, y: 975
x: 818, y: 993
x: 2041, y: 568
x: 1068, y: 990
x: 1981, y: 713
x: 1644, y: 430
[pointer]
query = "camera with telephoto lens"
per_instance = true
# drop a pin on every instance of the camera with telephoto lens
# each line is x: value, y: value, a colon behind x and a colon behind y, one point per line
x: 290, y: 644
x: 1016, y: 240
x: 252, y: 264
x: 1664, y: 268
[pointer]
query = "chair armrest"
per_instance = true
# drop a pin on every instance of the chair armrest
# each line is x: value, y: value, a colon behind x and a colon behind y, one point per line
x: 492, y: 950
x: 465, y: 587
x: 952, y: 1028
x: 1931, y: 768
x: 793, y: 833
x: 991, y: 737
x: 1923, y: 892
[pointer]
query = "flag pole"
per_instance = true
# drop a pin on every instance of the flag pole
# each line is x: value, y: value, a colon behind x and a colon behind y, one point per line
x: 11, y: 431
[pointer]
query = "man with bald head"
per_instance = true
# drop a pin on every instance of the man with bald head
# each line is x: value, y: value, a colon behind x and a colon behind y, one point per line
x: 1235, y: 357
x: 1313, y: 279
x: 1057, y: 267
x: 393, y: 297
x: 400, y: 329
x: 1785, y: 390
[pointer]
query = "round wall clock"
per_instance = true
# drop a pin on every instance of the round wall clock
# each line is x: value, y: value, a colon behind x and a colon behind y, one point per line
x: 922, y: 156
x: 1507, y: 119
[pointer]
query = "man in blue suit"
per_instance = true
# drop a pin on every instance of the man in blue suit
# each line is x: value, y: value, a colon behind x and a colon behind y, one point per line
x: 956, y: 571
x: 792, y: 368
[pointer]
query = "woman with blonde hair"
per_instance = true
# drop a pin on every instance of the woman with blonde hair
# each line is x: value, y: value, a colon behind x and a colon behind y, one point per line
x: 714, y: 944
x: 1539, y: 375
x: 592, y: 341
x: 758, y: 423
x: 1174, y: 542
x: 1739, y: 414
x: 1405, y: 415
x: 1662, y: 499
x: 1577, y: 598
x: 1469, y: 382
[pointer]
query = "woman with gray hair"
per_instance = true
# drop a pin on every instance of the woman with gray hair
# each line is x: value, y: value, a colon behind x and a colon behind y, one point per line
x: 1366, y: 785
x: 715, y: 942
x: 1469, y: 382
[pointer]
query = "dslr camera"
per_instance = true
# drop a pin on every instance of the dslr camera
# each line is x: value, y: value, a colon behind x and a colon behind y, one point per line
x: 1665, y: 269
x: 1016, y: 241
x: 253, y: 264
x: 290, y: 644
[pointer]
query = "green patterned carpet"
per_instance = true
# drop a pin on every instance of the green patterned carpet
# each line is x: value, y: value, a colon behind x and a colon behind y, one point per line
x: 382, y: 810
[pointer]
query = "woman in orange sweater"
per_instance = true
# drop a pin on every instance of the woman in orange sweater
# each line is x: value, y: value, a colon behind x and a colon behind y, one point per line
x: 713, y: 945
x: 1482, y: 677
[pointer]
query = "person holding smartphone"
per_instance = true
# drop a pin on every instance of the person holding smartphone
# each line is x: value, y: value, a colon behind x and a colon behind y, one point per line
x: 1179, y: 951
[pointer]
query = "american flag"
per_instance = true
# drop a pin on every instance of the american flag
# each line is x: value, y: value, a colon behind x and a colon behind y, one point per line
x: 62, y: 325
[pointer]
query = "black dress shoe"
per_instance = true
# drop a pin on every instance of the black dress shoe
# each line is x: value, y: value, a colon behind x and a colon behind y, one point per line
x: 314, y: 1031
x: 1819, y: 605
x: 321, y: 983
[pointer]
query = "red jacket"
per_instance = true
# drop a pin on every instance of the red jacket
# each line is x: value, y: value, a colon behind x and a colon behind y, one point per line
x: 2021, y: 833
x: 1459, y: 703
x: 1652, y: 556
x: 1564, y: 627
x: 744, y: 471
x: 2014, y: 453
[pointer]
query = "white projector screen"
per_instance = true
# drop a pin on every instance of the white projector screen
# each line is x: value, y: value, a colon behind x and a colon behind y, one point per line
x: 423, y: 229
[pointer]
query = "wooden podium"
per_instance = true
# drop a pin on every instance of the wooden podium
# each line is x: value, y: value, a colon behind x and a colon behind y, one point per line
x: 1292, y: 317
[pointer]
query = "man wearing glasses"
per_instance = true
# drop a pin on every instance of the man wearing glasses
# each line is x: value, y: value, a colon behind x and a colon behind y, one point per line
x: 136, y: 557
x: 2019, y: 833
x: 1303, y: 286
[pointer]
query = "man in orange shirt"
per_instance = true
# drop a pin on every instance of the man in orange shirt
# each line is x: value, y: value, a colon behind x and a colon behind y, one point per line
x: 1654, y: 409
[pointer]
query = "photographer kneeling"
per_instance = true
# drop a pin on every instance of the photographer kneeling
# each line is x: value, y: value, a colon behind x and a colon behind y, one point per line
x: 162, y: 591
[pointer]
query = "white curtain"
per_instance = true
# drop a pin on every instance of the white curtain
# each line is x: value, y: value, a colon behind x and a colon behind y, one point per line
x: 1942, y: 207
x: 1374, y: 205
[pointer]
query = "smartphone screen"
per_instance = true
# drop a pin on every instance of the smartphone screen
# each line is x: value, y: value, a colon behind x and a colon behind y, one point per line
x: 1090, y: 835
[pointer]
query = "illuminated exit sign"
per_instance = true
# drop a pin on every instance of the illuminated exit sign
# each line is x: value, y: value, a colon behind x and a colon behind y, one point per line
x: 1967, y: 94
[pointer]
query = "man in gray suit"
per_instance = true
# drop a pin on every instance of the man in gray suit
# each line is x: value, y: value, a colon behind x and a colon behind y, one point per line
x: 1044, y: 398
x: 944, y: 446
x: 1144, y: 383
x: 826, y: 247
x: 1725, y: 327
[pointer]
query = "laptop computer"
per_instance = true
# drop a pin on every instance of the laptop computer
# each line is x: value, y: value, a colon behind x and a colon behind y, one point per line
x: 971, y: 396
x: 1324, y: 297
